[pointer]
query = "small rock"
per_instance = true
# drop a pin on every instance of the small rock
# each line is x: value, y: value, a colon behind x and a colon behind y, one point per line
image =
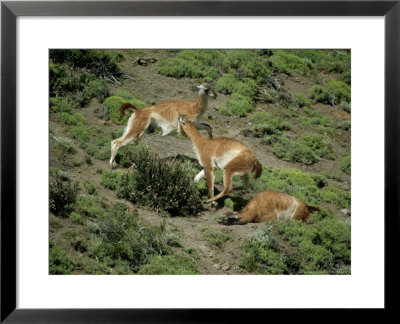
x: 211, y: 255
x: 345, y: 211
x: 150, y: 82
x: 226, y: 266
x: 217, y: 266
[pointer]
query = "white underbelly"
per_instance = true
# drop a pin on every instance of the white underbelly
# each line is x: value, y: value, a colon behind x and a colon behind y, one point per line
x: 288, y: 213
x: 221, y: 161
x: 165, y: 125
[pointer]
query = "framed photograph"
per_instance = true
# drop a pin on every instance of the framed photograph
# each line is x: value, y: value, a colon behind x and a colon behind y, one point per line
x: 300, y: 96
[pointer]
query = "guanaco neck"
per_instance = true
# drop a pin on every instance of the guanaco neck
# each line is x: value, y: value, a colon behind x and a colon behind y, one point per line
x: 202, y: 102
x: 194, y: 135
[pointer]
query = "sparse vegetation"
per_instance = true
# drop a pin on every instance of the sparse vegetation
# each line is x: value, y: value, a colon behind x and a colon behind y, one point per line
x: 63, y: 193
x: 333, y: 93
x: 215, y: 237
x: 319, y: 247
x: 345, y: 164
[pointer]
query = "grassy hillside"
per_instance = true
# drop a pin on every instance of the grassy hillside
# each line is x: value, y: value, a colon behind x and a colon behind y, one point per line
x: 146, y: 216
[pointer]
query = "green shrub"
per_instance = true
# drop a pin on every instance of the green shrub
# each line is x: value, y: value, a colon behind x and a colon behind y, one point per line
x: 76, y: 218
x: 214, y: 237
x: 318, y: 144
x: 61, y: 105
x: 260, y: 254
x: 84, y: 133
x: 336, y: 196
x: 113, y: 104
x: 345, y: 164
x: 286, y: 62
x: 316, y: 118
x: 237, y: 105
x: 90, y: 188
x: 81, y: 133
x: 71, y: 119
x: 161, y: 184
x: 266, y: 124
x: 301, y: 101
x: 86, y: 207
x: 98, y: 89
x: 333, y: 93
x: 59, y: 261
x: 171, y: 264
x: 178, y: 67
x: 123, y: 93
x: 122, y: 237
x: 227, y: 83
x: 63, y: 193
x: 111, y: 179
x: 346, y: 106
x: 292, y: 151
x: 65, y: 144
x: 296, y: 247
x: 98, y: 62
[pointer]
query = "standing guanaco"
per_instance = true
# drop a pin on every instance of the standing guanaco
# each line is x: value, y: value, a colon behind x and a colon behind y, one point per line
x: 228, y: 154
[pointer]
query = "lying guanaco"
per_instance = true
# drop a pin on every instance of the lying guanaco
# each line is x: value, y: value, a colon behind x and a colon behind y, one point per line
x: 164, y: 115
x: 269, y: 205
x: 228, y: 154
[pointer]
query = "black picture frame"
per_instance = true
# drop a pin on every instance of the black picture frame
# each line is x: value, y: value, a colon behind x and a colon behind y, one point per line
x: 10, y: 10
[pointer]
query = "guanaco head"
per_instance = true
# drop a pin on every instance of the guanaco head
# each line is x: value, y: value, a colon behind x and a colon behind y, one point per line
x: 208, y: 90
x: 230, y: 218
x: 182, y: 121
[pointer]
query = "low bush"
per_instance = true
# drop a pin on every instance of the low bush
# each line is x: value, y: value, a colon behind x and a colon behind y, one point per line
x: 215, y: 237
x: 296, y: 247
x: 61, y: 105
x: 113, y: 104
x: 59, y: 261
x: 286, y: 62
x: 237, y: 105
x: 65, y: 144
x: 63, y: 193
x: 120, y: 236
x: 266, y: 124
x: 301, y: 101
x: 71, y: 119
x: 98, y: 89
x: 293, y: 151
x: 160, y: 183
x: 98, y: 62
x: 171, y: 264
x: 111, y: 179
x: 76, y: 218
x: 345, y: 164
x: 87, y: 207
x: 346, y: 106
x: 318, y: 144
x: 333, y: 93
x: 84, y: 133
x: 90, y: 188
x: 316, y: 118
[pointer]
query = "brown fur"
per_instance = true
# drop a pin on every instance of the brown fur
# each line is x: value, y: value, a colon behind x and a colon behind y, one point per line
x: 164, y: 115
x: 228, y: 154
x: 266, y: 206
